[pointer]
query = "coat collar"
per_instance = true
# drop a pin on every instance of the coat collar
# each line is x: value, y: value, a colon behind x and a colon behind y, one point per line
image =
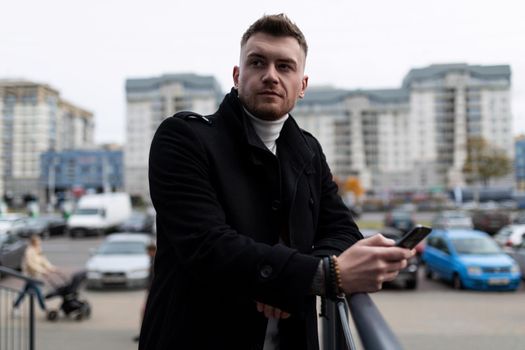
x: 291, y: 144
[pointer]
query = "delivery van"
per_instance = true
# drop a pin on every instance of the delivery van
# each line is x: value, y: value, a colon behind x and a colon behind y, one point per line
x: 98, y: 214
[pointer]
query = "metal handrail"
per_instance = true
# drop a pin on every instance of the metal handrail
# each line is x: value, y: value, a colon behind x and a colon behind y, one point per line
x: 16, y: 274
x: 373, y: 331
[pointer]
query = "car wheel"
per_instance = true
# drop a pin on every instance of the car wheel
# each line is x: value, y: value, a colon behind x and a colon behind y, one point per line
x: 52, y: 315
x: 428, y: 273
x: 456, y: 282
x: 411, y: 284
x: 45, y: 234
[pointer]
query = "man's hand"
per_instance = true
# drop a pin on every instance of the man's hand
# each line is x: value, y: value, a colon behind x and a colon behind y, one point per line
x: 370, y: 262
x: 272, y: 312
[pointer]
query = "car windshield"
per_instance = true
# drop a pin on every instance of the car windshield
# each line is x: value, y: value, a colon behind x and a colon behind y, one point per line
x: 475, y: 245
x: 87, y: 211
x: 5, y: 224
x: 401, y: 215
x: 135, y: 219
x: 125, y: 248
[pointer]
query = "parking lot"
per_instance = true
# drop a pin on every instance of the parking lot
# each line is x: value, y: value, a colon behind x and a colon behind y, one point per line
x: 434, y: 316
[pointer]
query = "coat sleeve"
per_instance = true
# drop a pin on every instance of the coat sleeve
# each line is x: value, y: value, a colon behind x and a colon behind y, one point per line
x: 191, y: 219
x: 336, y: 229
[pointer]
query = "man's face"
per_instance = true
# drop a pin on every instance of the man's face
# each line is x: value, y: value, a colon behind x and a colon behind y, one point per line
x: 270, y: 77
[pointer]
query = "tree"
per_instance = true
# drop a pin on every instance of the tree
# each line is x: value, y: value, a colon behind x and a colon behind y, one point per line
x: 484, y: 162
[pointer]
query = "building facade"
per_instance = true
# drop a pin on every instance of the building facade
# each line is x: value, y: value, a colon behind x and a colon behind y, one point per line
x: 35, y: 119
x: 519, y: 163
x: 149, y: 102
x: 65, y: 173
x: 413, y: 137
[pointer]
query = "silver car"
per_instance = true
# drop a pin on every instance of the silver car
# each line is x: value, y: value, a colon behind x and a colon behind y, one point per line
x: 453, y: 219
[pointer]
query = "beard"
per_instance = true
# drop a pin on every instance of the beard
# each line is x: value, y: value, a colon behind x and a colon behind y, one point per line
x: 267, y: 108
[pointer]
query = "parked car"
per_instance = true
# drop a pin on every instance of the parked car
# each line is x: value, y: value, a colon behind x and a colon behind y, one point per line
x: 448, y: 219
x: 43, y: 226
x: 120, y: 261
x: 12, y: 223
x: 490, y: 221
x: 518, y: 254
x: 12, y: 248
x: 510, y: 235
x: 470, y: 259
x: 520, y: 218
x: 138, y: 222
x: 407, y: 277
x: 400, y: 219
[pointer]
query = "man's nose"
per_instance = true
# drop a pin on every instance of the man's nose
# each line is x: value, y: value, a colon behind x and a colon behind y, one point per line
x: 270, y: 75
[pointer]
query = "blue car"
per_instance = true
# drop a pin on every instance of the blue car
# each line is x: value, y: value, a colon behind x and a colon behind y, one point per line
x: 470, y: 259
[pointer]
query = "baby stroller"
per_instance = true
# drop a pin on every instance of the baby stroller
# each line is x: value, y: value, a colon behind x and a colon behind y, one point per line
x: 71, y: 305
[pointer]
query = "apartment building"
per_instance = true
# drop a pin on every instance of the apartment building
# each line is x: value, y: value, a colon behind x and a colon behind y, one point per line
x: 413, y: 137
x: 34, y: 119
x: 519, y: 163
x: 149, y: 102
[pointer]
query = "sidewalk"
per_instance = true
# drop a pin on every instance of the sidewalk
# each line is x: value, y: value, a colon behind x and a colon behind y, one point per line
x: 114, y: 322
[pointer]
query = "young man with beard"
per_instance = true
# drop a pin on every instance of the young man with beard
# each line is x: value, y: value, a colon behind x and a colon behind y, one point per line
x: 247, y: 213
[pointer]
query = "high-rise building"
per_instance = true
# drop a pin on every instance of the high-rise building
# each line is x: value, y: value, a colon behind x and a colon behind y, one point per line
x: 413, y: 137
x: 519, y: 163
x: 35, y: 119
x: 149, y: 102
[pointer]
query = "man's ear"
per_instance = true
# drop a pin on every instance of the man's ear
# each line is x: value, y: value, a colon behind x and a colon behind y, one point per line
x: 236, y: 77
x: 304, y: 85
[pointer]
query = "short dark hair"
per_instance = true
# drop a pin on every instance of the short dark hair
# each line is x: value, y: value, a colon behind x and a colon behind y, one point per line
x: 276, y: 25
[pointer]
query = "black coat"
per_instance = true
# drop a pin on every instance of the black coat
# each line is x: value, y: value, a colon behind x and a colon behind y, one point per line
x: 223, y: 202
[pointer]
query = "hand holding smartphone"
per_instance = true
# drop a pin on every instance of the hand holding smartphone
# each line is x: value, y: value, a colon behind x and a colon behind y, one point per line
x: 413, y: 237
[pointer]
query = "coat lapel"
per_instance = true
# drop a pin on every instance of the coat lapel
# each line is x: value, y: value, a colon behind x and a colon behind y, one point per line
x: 295, y: 158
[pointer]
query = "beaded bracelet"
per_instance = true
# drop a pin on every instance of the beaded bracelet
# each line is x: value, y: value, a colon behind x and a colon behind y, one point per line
x: 338, y: 280
x: 333, y: 284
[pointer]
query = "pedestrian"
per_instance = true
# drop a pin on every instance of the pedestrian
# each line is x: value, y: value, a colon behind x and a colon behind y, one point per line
x: 34, y: 265
x: 250, y: 227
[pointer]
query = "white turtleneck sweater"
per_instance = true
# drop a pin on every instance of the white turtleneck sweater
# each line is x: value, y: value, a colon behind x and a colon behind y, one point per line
x: 268, y: 130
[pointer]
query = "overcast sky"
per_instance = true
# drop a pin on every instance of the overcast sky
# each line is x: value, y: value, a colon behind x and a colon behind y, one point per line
x: 87, y: 49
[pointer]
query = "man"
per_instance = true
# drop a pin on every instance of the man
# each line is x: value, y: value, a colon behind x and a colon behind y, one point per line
x: 246, y: 207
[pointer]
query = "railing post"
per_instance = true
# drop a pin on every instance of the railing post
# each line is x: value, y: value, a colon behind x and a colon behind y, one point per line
x: 26, y: 335
x: 31, y: 320
x: 333, y: 336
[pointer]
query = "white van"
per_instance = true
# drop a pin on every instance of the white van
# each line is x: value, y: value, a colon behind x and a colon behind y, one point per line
x: 97, y: 214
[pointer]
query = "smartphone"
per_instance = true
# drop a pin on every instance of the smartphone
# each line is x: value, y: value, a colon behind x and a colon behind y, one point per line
x: 413, y: 237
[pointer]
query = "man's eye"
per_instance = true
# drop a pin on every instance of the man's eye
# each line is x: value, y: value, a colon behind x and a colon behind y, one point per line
x: 284, y: 67
x: 256, y: 63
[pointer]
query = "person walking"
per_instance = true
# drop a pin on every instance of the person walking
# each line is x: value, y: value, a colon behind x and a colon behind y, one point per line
x: 34, y: 265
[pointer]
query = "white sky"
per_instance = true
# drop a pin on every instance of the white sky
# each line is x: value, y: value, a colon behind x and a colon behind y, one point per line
x: 86, y: 49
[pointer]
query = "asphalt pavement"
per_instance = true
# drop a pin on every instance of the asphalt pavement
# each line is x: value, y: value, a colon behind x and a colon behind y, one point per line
x: 432, y: 317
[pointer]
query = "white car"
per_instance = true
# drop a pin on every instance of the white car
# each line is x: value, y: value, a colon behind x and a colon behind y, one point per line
x: 12, y: 223
x: 120, y: 261
x: 511, y: 235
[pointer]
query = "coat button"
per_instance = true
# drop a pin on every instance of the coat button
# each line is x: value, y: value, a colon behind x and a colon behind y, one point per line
x: 276, y: 205
x: 266, y: 271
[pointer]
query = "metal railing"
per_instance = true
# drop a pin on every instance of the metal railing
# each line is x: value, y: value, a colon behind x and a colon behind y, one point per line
x: 372, y: 330
x: 17, y: 329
